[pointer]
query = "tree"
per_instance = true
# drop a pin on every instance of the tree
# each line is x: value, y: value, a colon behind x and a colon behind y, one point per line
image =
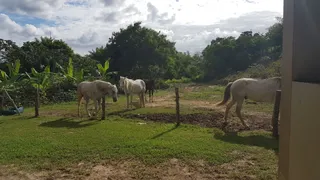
x: 86, y: 63
x: 9, y: 52
x: 99, y: 54
x: 45, y: 51
x: 134, y: 49
x: 230, y: 55
x: 274, y: 38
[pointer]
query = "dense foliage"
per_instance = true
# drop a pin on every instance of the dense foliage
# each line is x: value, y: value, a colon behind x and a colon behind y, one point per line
x: 141, y: 52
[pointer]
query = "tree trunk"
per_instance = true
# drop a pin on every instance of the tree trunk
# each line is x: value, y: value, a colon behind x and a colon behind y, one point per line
x: 11, y: 100
x: 36, y: 104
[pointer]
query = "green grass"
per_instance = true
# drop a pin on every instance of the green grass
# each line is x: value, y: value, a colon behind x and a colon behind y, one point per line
x: 55, y: 140
x: 47, y: 142
x: 210, y: 93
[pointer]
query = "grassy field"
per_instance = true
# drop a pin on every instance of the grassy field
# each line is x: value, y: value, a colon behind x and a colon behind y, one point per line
x: 60, y: 145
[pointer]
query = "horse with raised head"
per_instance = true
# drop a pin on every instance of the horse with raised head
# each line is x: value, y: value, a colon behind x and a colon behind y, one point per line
x: 95, y: 90
x: 131, y: 87
x: 259, y: 90
x: 150, y: 86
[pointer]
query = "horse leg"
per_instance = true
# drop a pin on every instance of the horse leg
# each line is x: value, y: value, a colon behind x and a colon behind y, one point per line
x: 152, y: 95
x: 230, y: 104
x: 96, y: 104
x: 144, y: 102
x: 79, y: 103
x: 86, y: 106
x: 146, y: 96
x: 131, y: 100
x: 127, y: 95
x: 99, y: 105
x: 238, y: 112
x: 142, y: 99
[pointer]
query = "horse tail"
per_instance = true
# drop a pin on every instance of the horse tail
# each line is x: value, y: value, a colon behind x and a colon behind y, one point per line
x: 144, y: 86
x: 147, y: 84
x: 226, y: 95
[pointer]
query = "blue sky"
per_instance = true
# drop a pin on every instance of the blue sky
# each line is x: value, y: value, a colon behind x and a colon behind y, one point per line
x: 86, y: 24
x: 23, y: 19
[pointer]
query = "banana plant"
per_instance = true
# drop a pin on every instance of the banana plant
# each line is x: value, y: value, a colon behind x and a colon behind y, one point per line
x: 70, y: 73
x: 7, y: 82
x: 41, y: 82
x: 103, y: 70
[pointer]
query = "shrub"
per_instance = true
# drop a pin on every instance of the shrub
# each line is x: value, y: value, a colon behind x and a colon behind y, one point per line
x: 255, y: 71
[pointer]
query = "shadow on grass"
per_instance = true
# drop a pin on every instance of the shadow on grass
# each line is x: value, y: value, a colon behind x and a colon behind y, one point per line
x: 68, y: 123
x: 24, y: 117
x: 250, y: 140
x: 165, y: 132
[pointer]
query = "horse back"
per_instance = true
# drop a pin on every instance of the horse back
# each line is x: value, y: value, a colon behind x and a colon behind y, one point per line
x: 88, y: 89
x: 256, y: 89
x: 136, y: 86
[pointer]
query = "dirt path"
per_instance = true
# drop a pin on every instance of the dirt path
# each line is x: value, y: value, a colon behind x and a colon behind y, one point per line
x: 119, y: 170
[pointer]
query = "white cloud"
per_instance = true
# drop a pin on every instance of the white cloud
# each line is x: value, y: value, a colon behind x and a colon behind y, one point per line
x: 86, y: 24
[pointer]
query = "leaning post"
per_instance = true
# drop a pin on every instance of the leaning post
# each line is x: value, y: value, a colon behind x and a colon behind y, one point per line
x: 275, y: 116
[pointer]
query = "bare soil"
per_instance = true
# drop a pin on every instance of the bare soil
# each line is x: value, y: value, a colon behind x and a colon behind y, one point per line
x: 133, y: 169
x: 214, y: 117
x: 208, y: 120
x: 256, y: 120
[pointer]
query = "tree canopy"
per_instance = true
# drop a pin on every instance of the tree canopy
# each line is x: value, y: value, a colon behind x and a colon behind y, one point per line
x: 141, y: 52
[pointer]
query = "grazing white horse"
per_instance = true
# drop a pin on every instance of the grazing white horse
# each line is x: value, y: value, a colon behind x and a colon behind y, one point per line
x: 95, y: 90
x: 259, y: 90
x: 131, y: 87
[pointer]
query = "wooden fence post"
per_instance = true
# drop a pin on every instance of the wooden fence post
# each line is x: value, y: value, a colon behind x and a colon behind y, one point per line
x: 103, y: 107
x: 37, y: 103
x: 275, y: 116
x: 177, y: 106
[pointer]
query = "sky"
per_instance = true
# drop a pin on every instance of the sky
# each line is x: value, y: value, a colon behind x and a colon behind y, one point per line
x: 87, y: 24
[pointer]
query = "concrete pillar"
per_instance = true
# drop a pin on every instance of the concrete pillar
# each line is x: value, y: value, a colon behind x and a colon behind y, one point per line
x: 299, y: 148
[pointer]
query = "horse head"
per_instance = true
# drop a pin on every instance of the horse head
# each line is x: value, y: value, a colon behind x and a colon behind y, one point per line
x: 107, y: 88
x: 114, y: 92
x: 121, y: 81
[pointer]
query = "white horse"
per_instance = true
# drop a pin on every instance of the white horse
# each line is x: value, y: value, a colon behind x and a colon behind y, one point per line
x: 259, y: 90
x: 95, y: 90
x: 131, y: 87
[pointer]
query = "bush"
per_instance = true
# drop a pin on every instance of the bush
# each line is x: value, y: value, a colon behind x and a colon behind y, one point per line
x: 255, y: 71
x: 61, y: 90
x: 161, y: 84
x: 175, y: 81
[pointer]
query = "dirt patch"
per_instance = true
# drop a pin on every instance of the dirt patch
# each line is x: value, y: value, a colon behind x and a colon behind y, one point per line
x: 132, y: 169
x: 207, y: 120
